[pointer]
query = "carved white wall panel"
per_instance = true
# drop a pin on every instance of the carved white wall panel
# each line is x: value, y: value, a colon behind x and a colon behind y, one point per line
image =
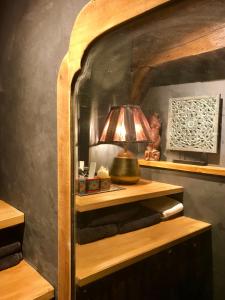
x: 193, y: 124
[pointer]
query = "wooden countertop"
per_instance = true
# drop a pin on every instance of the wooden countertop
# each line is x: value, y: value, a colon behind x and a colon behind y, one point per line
x: 145, y: 189
x: 9, y: 215
x: 22, y: 282
x: 98, y: 259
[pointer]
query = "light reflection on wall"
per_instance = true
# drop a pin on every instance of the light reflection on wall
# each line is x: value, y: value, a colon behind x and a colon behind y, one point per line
x: 103, y: 154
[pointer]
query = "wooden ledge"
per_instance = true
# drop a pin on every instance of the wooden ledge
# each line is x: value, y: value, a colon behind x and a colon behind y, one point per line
x: 143, y: 190
x: 101, y: 258
x: 210, y: 170
x: 22, y: 282
x: 9, y: 215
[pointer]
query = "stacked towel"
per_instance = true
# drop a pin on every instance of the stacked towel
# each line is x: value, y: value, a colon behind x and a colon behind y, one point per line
x: 91, y: 234
x: 96, y: 225
x: 144, y: 218
x: 110, y: 215
x: 166, y: 206
x: 10, y: 255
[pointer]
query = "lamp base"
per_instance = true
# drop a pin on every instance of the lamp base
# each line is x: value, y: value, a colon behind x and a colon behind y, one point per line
x: 125, y: 170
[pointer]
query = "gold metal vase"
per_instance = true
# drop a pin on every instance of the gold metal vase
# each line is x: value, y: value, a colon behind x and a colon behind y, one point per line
x: 125, y: 169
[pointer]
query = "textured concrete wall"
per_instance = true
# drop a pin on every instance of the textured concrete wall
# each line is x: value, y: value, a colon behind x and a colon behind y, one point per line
x: 34, y: 37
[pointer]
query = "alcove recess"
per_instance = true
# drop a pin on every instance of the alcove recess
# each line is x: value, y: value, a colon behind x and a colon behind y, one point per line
x: 176, y: 51
x: 171, y: 31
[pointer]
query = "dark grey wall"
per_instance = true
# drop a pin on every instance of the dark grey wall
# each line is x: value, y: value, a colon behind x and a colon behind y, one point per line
x: 34, y: 37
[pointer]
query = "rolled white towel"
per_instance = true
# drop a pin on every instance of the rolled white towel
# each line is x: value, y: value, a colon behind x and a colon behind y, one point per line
x: 166, y: 206
x: 172, y: 211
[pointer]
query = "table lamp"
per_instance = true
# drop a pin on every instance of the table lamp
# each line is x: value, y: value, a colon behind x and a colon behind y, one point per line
x: 125, y: 124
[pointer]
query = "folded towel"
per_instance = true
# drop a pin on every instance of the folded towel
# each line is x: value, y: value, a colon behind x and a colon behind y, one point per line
x: 10, y: 249
x: 112, y: 215
x: 166, y: 206
x: 145, y: 218
x: 91, y: 234
x: 10, y: 261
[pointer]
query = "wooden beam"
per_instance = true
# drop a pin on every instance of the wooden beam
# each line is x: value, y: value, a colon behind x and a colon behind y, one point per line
x: 203, y: 44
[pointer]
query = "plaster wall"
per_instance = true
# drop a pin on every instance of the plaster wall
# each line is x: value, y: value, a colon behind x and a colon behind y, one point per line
x: 34, y: 37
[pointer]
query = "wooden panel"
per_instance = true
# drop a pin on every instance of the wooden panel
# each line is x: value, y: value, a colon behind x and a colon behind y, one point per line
x: 101, y: 258
x: 143, y: 190
x: 9, y: 216
x: 64, y: 183
x: 22, y: 282
x: 183, y: 167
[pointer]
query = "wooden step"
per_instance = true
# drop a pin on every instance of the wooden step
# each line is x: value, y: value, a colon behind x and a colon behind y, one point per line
x: 9, y: 216
x: 145, y: 189
x: 101, y: 258
x: 23, y: 282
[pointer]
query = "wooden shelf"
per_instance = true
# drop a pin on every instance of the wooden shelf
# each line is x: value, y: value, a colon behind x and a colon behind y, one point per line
x: 101, y: 258
x: 9, y: 216
x: 143, y: 190
x: 22, y: 282
x: 210, y: 170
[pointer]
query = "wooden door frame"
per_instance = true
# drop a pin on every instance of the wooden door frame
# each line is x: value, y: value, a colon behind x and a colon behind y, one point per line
x: 97, y: 17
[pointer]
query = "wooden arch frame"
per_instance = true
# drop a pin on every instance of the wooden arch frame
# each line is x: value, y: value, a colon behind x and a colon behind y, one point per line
x: 97, y: 17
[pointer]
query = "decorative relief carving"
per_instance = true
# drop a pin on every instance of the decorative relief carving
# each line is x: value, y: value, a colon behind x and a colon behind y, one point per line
x: 193, y: 124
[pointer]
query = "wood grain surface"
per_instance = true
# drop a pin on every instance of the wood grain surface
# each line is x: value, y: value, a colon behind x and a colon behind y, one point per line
x: 143, y: 190
x: 22, y: 282
x: 211, y: 170
x: 9, y: 216
x: 101, y: 258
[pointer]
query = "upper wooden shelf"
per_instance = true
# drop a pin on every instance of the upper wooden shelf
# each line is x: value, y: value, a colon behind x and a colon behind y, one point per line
x: 143, y: 190
x: 22, y: 282
x: 210, y: 170
x: 9, y: 216
x: 101, y: 258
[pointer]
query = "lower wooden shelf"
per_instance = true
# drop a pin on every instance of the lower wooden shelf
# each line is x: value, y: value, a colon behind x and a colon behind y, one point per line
x: 23, y: 282
x: 101, y: 258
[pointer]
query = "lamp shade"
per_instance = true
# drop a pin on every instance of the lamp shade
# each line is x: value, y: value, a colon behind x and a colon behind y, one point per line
x: 125, y: 123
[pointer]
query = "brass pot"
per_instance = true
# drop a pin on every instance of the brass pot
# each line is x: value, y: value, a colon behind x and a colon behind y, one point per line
x: 125, y: 170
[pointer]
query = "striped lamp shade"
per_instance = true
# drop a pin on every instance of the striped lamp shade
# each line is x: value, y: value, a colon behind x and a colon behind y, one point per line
x: 125, y: 123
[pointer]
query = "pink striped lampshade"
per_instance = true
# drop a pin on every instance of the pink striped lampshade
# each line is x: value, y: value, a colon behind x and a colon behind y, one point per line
x: 125, y: 123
